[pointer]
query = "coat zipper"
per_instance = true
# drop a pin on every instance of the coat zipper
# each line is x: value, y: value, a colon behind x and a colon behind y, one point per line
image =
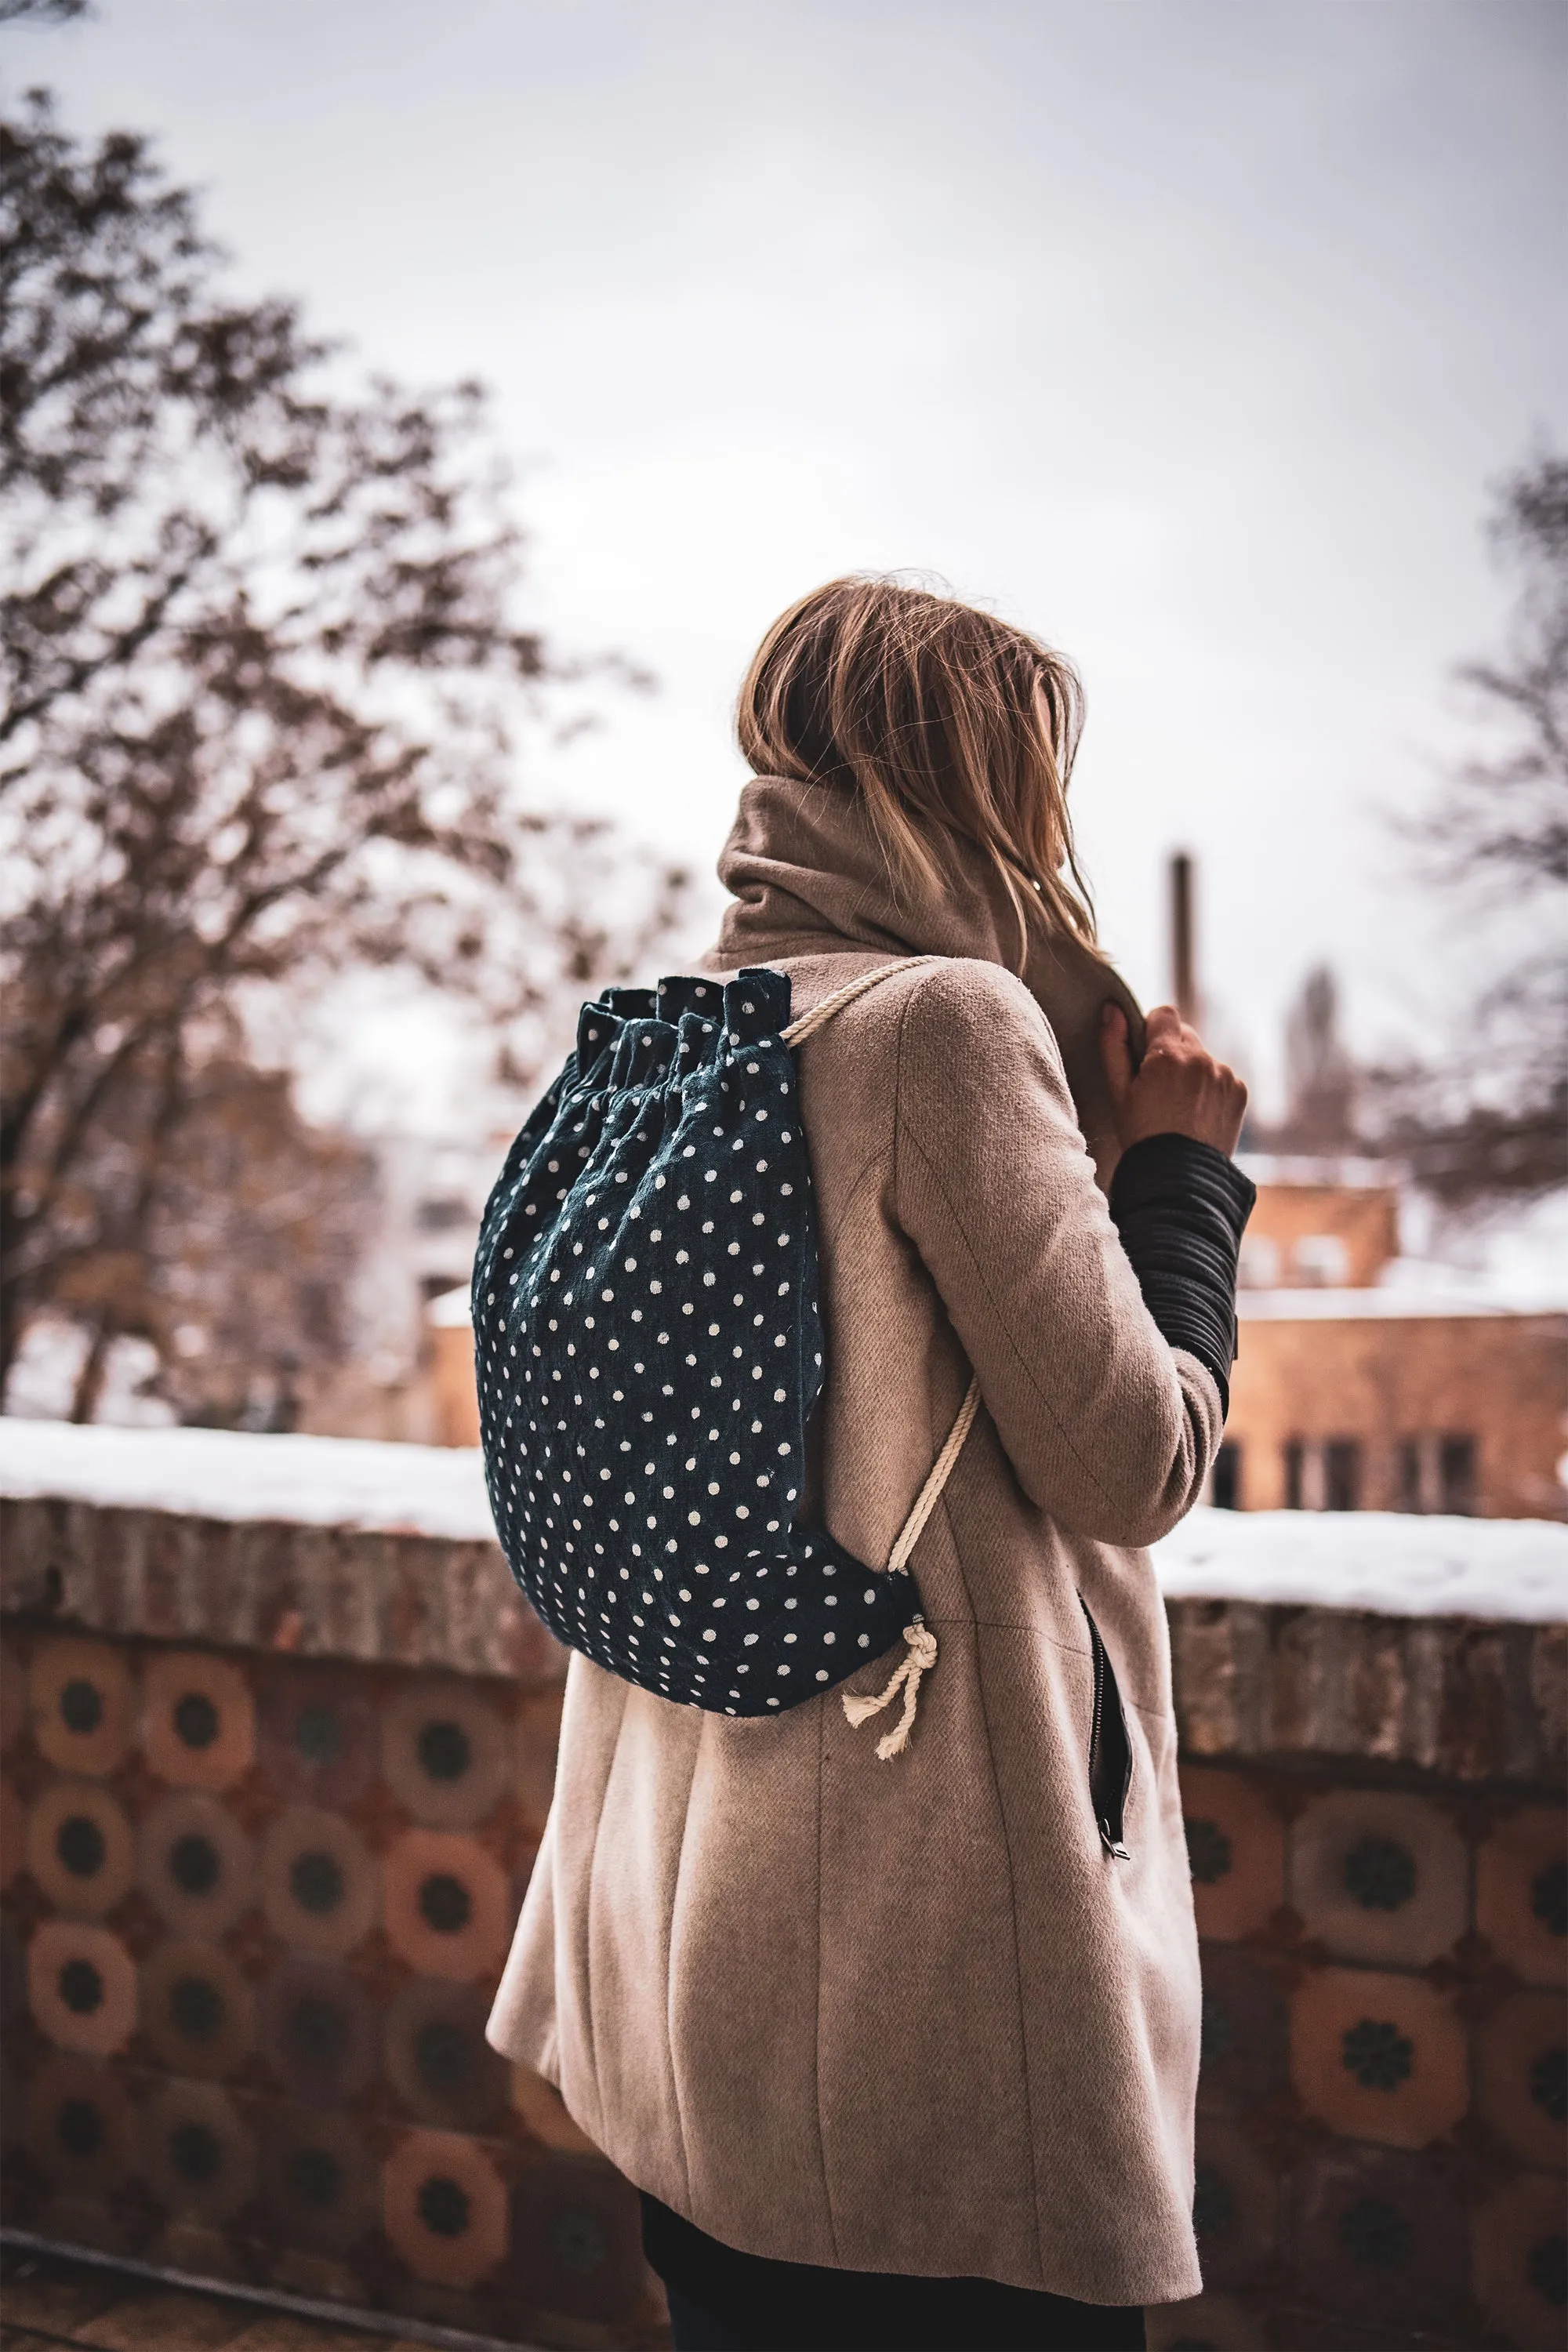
x: 1109, y: 1750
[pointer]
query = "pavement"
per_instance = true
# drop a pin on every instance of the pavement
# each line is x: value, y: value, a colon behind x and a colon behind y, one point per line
x: 46, y: 2301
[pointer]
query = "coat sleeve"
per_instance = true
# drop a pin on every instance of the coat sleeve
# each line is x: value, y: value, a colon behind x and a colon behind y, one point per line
x: 1107, y: 1427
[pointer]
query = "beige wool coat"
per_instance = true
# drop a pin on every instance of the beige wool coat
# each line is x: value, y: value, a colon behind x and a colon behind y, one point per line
x: 910, y: 2015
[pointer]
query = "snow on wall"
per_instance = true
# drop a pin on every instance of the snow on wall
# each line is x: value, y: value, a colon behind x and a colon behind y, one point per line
x: 1388, y: 1561
x: 222, y: 1474
x: 1398, y: 1566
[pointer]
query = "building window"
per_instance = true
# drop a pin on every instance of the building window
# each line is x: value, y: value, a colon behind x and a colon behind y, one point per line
x: 1436, y: 1473
x: 1226, y: 1485
x: 1258, y: 1267
x: 1456, y: 1473
x: 1323, y: 1261
x: 1342, y: 1474
x: 1295, y: 1463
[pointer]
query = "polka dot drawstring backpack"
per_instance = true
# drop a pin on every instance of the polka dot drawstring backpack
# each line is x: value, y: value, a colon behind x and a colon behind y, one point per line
x: 647, y: 1346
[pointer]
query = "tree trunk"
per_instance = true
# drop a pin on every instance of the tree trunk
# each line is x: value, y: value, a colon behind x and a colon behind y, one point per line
x: 12, y: 1326
x: 95, y: 1365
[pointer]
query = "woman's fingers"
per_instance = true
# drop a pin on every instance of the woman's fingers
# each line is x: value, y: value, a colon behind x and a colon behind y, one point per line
x: 1164, y: 1028
x: 1179, y: 1088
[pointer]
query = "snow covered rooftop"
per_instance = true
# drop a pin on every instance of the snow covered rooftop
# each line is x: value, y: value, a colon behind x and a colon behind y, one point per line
x: 1392, y: 1302
x: 1512, y: 1568
x: 1340, y: 1169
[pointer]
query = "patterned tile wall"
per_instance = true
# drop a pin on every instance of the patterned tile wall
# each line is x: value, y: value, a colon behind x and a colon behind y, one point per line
x: 254, y: 1912
x: 253, y: 1916
x: 1383, y: 2093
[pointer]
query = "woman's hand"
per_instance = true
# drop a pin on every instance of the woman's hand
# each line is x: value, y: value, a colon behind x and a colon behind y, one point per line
x: 1178, y: 1087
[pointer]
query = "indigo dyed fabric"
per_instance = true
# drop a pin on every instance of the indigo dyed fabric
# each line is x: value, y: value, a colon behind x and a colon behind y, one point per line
x: 649, y: 1350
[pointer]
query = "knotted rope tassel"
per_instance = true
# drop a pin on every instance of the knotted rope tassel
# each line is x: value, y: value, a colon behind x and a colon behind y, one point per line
x: 918, y: 1660
x: 922, y: 1653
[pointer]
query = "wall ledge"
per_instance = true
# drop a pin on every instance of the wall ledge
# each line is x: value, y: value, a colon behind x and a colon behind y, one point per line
x: 373, y: 1595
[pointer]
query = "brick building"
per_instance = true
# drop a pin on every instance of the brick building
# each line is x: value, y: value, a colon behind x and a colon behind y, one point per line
x: 1365, y: 1385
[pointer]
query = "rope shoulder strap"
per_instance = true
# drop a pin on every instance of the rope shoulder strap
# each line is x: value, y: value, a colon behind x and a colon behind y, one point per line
x: 921, y: 1651
x: 821, y: 1015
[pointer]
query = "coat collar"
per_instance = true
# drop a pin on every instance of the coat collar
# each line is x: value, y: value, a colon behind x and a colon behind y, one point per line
x: 807, y: 876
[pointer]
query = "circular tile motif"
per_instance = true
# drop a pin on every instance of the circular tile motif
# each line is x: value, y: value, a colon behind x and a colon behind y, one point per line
x: 194, y: 1864
x: 316, y: 1882
x: 317, y: 2179
x: 445, y: 1903
x: 1208, y: 1851
x: 579, y: 2237
x: 319, y: 1881
x: 81, y: 1695
x: 80, y: 1848
x: 446, y: 1752
x: 80, y: 2125
x: 1378, y: 2055
x: 197, y: 2010
x: 318, y: 1740
x: 1521, y: 2261
x: 1380, y: 1873
x: 1379, y: 1876
x: 437, y: 2060
x: 1521, y: 2076
x: 199, y: 1727
x: 81, y: 1986
x: 1522, y: 1893
x: 444, y: 2208
x: 200, y: 2161
x: 1380, y: 2235
x: 317, y: 2032
x: 449, y: 1907
x: 1236, y: 1849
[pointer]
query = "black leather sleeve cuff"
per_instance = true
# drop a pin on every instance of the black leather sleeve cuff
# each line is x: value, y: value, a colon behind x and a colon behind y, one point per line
x: 1180, y: 1208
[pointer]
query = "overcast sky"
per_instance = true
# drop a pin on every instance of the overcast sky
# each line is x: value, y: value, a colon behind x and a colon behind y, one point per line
x: 1188, y: 333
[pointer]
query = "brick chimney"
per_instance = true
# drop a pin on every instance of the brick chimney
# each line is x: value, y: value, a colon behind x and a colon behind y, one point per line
x: 1184, y: 940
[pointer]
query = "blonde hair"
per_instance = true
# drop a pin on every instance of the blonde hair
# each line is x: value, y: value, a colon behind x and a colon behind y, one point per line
x: 941, y: 719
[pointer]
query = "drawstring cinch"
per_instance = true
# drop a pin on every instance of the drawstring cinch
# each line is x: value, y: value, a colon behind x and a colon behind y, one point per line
x: 920, y: 1655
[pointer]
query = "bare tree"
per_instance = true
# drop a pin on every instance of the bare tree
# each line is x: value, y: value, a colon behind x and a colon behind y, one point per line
x: 262, y: 696
x: 42, y: 12
x: 1491, y: 1117
x: 1322, y: 1080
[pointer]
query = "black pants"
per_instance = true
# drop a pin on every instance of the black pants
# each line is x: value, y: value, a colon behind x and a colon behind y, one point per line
x: 721, y: 2301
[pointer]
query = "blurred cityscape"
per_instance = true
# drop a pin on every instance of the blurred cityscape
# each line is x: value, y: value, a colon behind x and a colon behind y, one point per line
x: 278, y: 779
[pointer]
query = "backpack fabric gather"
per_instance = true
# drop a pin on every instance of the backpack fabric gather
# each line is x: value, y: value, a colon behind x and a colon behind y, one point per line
x: 648, y: 1350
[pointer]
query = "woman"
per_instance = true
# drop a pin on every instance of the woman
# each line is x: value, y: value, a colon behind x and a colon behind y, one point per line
x: 904, y: 2053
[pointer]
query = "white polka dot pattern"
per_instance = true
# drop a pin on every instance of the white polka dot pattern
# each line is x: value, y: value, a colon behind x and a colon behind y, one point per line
x: 649, y: 1350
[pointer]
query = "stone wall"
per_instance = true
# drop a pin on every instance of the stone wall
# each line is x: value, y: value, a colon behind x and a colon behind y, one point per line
x: 260, y: 1876
x: 272, y: 1792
